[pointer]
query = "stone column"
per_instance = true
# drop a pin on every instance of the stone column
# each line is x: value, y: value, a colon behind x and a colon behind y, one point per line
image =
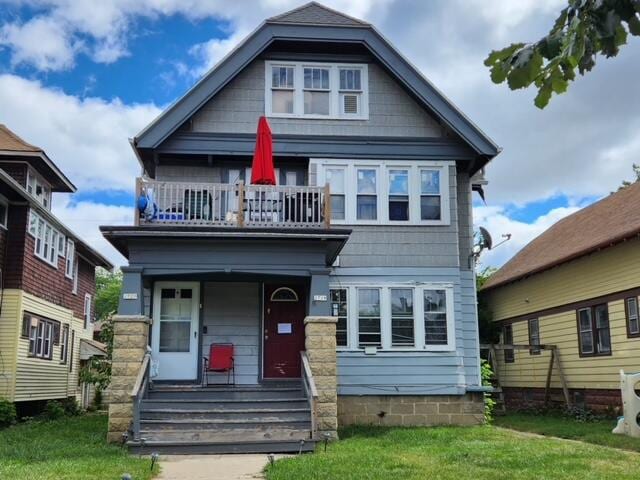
x: 130, y: 340
x: 320, y: 345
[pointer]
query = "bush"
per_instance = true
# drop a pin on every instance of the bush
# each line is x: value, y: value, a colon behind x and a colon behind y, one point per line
x: 7, y: 413
x: 53, y: 410
x: 71, y: 407
x: 489, y: 403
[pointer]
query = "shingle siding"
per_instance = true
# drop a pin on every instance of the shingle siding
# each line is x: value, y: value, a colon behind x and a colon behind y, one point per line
x: 392, y: 112
x: 17, y: 170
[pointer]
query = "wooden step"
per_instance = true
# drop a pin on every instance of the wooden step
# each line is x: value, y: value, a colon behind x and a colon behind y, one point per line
x: 217, y: 415
x: 227, y: 434
x: 204, y: 448
x: 226, y: 405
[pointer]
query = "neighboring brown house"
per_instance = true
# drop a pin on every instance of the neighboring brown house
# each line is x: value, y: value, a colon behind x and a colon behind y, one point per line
x: 47, y: 281
x: 576, y: 286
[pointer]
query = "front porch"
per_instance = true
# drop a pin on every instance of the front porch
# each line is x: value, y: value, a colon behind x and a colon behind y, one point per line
x: 267, y: 295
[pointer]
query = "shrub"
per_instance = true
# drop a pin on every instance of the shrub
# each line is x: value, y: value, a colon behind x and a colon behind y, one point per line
x: 53, y: 410
x: 7, y: 413
x: 71, y: 407
x: 489, y: 403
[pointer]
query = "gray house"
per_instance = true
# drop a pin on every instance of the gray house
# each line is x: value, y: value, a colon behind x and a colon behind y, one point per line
x: 345, y: 293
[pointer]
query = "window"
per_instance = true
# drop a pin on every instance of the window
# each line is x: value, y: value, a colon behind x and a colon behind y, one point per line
x: 282, y: 84
x: 369, y: 331
x: 385, y: 191
x: 74, y: 290
x: 40, y: 189
x: 316, y: 90
x: 62, y: 245
x: 402, y: 325
x: 64, y: 344
x: 4, y: 213
x: 633, y: 323
x: 594, y: 336
x: 47, y: 239
x: 42, y: 334
x: 435, y: 317
x: 394, y: 316
x: 70, y: 259
x: 367, y: 195
x: 336, y: 179
x: 350, y: 91
x: 534, y: 335
x: 339, y: 309
x: 284, y: 294
x: 507, y: 339
x: 87, y: 311
x: 399, y: 195
x: 430, y: 201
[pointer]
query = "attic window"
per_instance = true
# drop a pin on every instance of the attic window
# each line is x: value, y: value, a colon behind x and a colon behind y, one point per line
x: 315, y: 90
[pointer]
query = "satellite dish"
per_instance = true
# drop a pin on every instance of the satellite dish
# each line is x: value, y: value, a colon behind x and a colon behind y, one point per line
x: 485, y: 238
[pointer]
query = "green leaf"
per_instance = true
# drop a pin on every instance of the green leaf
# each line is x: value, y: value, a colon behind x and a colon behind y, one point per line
x: 634, y: 25
x: 543, y: 97
x: 501, y: 55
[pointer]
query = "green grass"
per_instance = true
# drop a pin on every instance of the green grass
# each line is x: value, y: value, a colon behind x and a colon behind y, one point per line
x: 72, y: 448
x: 597, y: 432
x: 450, y: 453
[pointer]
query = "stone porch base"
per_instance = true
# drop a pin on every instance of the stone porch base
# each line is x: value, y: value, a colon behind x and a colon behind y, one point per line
x: 411, y: 410
x: 600, y: 400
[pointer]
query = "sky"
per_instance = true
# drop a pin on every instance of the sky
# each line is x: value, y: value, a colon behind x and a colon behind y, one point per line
x: 79, y: 78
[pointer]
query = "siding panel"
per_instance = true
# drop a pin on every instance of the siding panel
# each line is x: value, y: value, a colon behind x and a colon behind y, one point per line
x: 231, y: 313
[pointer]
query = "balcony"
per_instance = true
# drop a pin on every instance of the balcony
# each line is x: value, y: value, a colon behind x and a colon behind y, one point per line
x: 225, y: 205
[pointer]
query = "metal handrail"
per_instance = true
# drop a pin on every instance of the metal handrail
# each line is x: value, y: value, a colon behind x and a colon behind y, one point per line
x: 139, y: 392
x: 310, y: 390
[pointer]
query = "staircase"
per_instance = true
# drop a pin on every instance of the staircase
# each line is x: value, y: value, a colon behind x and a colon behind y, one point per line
x: 189, y: 419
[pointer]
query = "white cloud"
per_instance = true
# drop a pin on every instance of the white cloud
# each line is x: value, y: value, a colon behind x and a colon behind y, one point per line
x: 83, y: 218
x: 40, y: 42
x: 87, y: 138
x: 497, y: 222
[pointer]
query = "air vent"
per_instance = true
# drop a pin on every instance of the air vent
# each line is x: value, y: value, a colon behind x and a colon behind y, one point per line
x: 350, y: 104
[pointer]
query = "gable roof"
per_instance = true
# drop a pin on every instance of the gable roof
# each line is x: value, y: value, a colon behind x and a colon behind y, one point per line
x: 11, y: 142
x: 316, y: 23
x: 611, y: 220
x: 316, y: 14
x: 11, y: 145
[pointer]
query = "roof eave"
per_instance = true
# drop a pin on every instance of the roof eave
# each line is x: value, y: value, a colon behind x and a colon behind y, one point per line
x: 582, y: 253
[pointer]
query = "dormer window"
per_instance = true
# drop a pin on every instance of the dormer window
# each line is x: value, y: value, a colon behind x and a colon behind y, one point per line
x: 39, y: 188
x: 315, y: 90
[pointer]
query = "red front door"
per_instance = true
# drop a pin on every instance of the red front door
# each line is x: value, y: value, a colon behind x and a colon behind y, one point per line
x: 284, y: 312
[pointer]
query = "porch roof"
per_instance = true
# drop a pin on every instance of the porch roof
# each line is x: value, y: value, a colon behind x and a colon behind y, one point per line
x: 333, y: 239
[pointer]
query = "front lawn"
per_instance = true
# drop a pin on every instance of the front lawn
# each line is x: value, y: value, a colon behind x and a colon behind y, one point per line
x: 72, y: 448
x: 555, y: 425
x: 450, y: 453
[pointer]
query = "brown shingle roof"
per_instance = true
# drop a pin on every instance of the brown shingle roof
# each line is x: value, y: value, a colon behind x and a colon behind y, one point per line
x: 11, y: 142
x: 606, y: 222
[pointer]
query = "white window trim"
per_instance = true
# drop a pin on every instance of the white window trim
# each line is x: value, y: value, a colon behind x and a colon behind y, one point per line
x: 385, y: 316
x: 74, y: 290
x: 70, y: 259
x: 55, y: 236
x: 45, y: 198
x: 87, y: 310
x: 334, y: 90
x: 4, y: 222
x: 383, y: 166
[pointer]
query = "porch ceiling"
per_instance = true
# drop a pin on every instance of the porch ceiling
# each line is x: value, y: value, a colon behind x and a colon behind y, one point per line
x: 331, y: 240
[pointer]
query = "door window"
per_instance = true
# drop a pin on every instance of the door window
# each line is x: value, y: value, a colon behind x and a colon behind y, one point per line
x: 175, y: 320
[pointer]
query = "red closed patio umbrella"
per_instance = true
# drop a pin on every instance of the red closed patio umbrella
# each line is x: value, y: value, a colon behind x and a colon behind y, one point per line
x: 262, y: 171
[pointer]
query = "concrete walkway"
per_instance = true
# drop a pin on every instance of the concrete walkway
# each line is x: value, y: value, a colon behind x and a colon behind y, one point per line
x: 210, y: 467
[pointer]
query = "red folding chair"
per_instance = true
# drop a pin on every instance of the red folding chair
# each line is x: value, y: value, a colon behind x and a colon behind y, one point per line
x: 220, y: 361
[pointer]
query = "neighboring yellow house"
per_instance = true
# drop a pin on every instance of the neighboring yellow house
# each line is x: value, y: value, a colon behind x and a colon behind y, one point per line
x: 575, y: 286
x: 47, y: 284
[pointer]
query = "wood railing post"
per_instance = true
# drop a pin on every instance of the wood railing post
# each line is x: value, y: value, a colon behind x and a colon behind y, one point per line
x: 240, y: 204
x: 136, y: 215
x: 327, y: 206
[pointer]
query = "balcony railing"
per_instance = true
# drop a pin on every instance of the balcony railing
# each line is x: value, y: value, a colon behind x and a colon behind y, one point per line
x: 219, y: 204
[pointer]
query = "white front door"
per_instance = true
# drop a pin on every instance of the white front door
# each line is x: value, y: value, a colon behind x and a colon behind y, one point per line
x: 174, y: 341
